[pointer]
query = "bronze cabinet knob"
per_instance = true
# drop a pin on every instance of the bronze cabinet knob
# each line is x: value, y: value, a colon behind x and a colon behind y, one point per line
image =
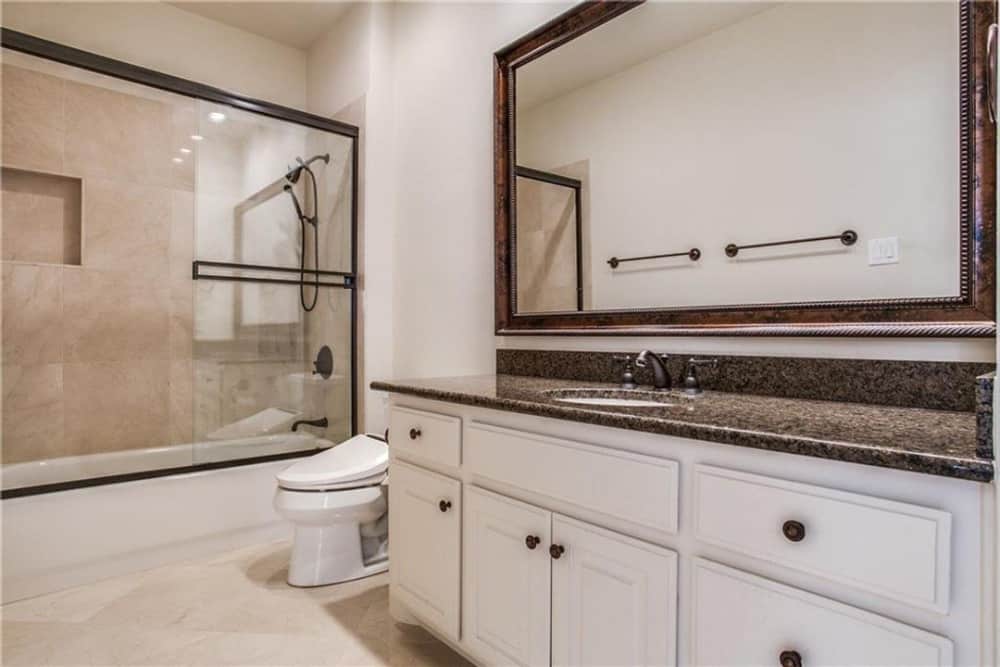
x: 556, y: 550
x: 532, y: 541
x: 790, y: 659
x: 444, y: 505
x: 414, y: 433
x: 794, y: 531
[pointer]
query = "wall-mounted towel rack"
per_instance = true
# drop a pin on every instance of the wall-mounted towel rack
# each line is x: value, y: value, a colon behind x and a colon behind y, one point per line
x: 198, y: 273
x: 693, y: 254
x: 847, y: 237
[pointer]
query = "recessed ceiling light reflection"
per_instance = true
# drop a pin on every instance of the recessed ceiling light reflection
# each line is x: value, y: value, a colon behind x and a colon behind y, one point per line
x: 196, y: 137
x: 185, y: 150
x: 217, y: 116
x: 178, y: 160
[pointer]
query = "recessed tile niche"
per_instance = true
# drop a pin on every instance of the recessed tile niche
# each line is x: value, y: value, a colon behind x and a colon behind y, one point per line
x: 41, y: 217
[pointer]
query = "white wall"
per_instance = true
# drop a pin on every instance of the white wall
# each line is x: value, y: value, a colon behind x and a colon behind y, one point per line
x: 443, y: 298
x: 170, y: 40
x: 350, y: 77
x: 726, y: 139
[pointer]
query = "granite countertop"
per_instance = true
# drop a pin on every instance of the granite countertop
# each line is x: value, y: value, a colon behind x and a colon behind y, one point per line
x: 935, y: 442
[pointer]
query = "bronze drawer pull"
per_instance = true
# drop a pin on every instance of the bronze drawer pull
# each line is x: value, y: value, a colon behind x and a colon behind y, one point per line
x: 444, y: 505
x: 556, y: 550
x: 414, y: 433
x: 532, y: 541
x: 790, y: 659
x: 794, y: 531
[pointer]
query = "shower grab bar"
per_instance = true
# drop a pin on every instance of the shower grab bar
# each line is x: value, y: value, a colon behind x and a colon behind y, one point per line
x: 693, y: 254
x: 847, y: 237
x: 197, y: 273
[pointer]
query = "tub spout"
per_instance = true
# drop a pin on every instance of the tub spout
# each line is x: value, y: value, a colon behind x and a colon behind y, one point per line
x: 322, y: 423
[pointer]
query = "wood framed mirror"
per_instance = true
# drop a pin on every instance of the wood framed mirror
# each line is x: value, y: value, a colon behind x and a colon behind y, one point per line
x: 748, y: 169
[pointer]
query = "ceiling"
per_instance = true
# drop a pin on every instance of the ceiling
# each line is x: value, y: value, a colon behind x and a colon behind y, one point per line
x: 297, y: 24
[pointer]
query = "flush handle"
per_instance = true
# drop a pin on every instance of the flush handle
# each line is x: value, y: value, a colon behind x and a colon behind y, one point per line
x: 532, y: 541
x: 414, y: 433
x: 790, y: 659
x: 794, y: 531
x: 444, y: 505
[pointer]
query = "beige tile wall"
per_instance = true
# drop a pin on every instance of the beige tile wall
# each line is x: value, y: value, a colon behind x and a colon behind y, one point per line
x: 98, y: 357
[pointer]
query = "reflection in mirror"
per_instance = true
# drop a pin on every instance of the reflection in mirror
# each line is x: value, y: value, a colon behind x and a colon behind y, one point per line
x: 550, y: 271
x: 704, y: 125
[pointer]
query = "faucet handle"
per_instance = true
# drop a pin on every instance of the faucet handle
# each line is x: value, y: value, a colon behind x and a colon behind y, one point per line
x: 628, y: 379
x: 691, y: 384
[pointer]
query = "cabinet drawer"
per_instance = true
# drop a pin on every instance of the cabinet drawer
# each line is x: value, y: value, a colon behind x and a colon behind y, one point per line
x: 425, y: 512
x: 426, y: 435
x: 639, y: 489
x: 741, y: 619
x: 896, y: 550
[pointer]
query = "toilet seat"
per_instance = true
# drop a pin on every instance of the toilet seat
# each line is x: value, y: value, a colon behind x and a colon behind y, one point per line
x: 358, y: 462
x: 375, y: 480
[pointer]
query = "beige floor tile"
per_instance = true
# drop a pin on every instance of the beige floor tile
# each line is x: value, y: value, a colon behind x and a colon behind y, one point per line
x: 232, y: 609
x: 75, y: 605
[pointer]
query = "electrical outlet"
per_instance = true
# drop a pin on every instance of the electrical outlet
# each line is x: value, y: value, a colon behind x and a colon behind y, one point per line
x: 883, y: 251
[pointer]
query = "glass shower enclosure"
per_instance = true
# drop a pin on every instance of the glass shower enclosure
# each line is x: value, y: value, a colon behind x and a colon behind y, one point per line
x: 179, y: 274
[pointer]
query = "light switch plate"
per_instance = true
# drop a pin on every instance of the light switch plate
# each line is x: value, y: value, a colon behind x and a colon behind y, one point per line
x: 883, y: 251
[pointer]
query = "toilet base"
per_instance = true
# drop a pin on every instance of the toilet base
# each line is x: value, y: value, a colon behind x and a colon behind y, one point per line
x: 323, y: 555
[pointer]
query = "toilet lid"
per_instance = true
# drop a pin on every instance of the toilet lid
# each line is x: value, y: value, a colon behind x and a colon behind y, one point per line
x: 361, y: 457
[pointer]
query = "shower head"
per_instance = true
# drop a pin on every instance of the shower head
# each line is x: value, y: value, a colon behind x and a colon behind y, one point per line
x: 294, y: 173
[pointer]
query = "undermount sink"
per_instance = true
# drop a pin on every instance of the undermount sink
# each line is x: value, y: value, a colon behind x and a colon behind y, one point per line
x: 611, y: 398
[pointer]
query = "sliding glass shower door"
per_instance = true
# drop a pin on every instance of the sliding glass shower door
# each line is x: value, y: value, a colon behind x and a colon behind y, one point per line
x: 171, y: 271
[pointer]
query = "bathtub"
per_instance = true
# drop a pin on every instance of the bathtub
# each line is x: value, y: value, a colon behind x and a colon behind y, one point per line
x: 68, y: 468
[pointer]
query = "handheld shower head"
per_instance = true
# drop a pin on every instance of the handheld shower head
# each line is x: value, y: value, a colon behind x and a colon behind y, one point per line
x: 292, y: 177
x: 295, y: 201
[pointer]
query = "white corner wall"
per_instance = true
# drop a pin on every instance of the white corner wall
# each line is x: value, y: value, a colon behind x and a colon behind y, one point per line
x: 349, y: 73
x: 171, y: 40
x: 443, y: 297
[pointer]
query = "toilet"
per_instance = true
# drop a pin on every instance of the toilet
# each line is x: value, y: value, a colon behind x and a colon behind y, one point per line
x: 337, y: 502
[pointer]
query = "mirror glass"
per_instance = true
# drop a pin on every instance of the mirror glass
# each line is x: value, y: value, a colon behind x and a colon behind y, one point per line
x: 685, y: 128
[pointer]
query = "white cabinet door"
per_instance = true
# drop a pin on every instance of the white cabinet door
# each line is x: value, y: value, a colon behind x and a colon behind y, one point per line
x: 424, y: 525
x: 614, y: 598
x: 743, y: 620
x: 506, y: 568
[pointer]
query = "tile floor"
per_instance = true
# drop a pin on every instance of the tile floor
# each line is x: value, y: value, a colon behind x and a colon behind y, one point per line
x: 234, y: 609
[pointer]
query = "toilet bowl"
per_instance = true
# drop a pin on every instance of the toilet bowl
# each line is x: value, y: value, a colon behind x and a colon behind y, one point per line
x: 337, y: 503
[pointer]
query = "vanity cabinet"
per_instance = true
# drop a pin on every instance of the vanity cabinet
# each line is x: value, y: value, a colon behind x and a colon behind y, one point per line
x: 538, y: 583
x: 522, y: 540
x: 506, y: 579
x: 740, y: 619
x: 614, y: 599
x: 426, y: 528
